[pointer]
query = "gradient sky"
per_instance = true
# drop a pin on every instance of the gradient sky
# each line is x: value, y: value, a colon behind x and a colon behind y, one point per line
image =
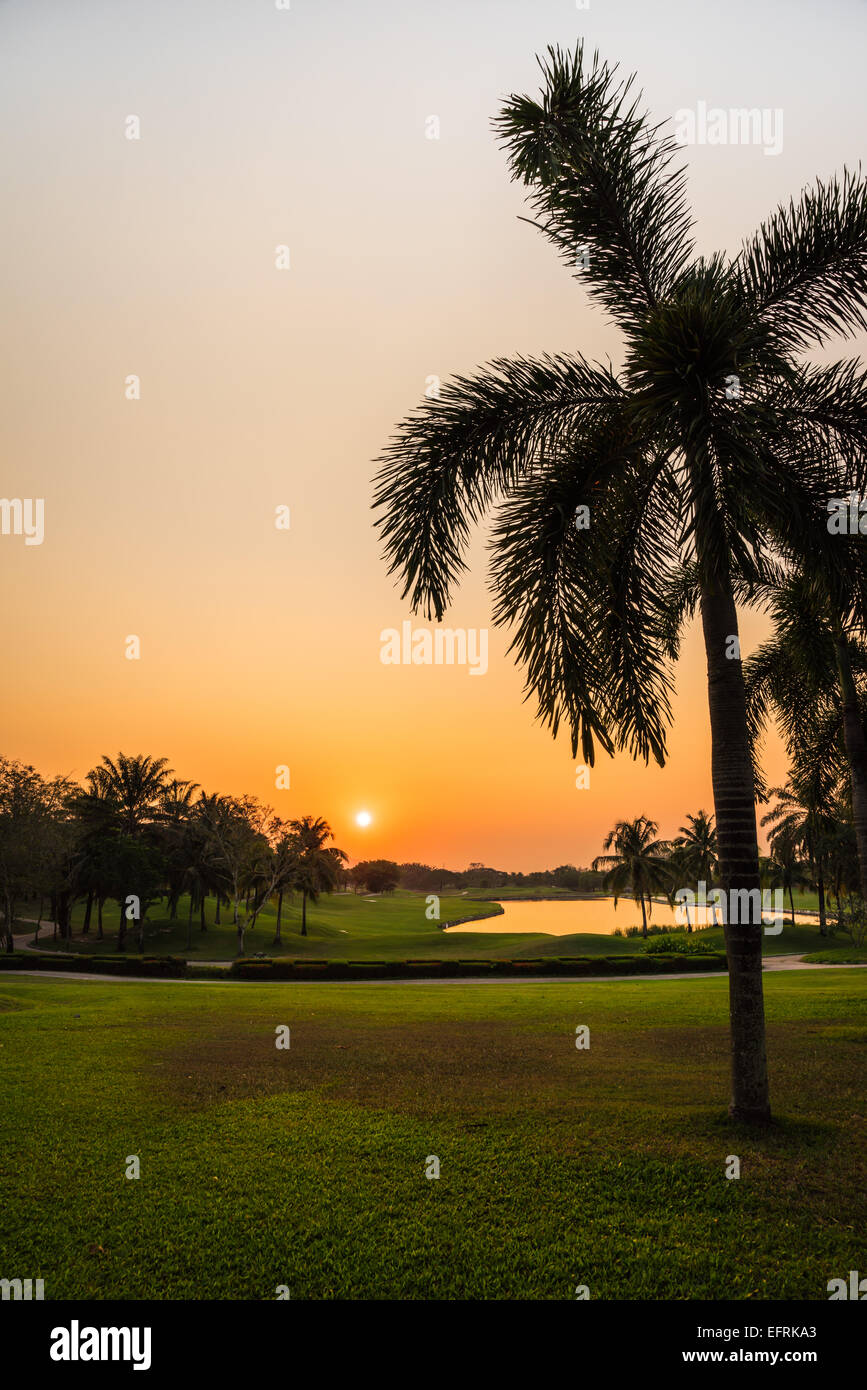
x: 261, y: 387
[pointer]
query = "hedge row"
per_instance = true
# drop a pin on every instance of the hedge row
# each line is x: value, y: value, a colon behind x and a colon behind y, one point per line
x: 160, y: 966
x: 282, y: 969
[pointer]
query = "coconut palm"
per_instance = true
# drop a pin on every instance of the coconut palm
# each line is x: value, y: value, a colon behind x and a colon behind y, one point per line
x: 176, y: 817
x: 811, y: 674
x: 702, y: 450
x: 803, y: 819
x: 287, y: 867
x: 783, y: 868
x: 694, y: 852
x: 640, y: 864
x: 316, y: 866
x: 136, y: 785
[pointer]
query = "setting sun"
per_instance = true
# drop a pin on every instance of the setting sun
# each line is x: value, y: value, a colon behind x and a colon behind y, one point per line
x: 363, y: 818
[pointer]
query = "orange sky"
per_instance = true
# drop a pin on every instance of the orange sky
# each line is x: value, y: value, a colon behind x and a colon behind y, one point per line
x: 262, y: 387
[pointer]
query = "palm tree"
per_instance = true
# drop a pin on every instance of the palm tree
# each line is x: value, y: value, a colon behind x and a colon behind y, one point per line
x: 317, y: 868
x: 640, y: 864
x: 783, y: 869
x: 812, y: 673
x: 196, y: 852
x: 136, y: 784
x: 712, y: 439
x: 694, y: 851
x: 287, y: 866
x: 96, y: 816
x: 803, y: 819
x: 177, y: 838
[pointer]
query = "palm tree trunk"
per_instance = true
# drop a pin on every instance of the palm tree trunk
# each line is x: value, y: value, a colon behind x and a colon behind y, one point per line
x: 99, y: 904
x: 87, y: 911
x: 856, y: 752
x: 278, y: 939
x: 738, y: 851
x: 820, y: 888
x: 792, y: 902
x: 643, y: 916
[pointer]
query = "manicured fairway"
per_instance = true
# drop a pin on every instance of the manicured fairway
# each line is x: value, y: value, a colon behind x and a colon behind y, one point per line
x: 394, y: 927
x: 306, y: 1167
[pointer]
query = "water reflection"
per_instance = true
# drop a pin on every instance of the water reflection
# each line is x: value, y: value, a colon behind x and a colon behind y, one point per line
x: 596, y: 915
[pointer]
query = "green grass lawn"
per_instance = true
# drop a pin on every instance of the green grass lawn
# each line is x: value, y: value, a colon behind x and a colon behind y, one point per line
x: 306, y: 1167
x: 392, y: 927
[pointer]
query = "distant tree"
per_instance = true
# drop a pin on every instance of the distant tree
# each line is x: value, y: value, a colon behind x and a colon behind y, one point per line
x: 802, y: 821
x: 567, y: 876
x: 236, y: 827
x: 137, y: 871
x: 639, y: 864
x: 694, y: 854
x: 26, y: 803
x: 783, y: 869
x: 421, y: 878
x: 377, y: 875
x: 136, y: 785
x: 318, y: 867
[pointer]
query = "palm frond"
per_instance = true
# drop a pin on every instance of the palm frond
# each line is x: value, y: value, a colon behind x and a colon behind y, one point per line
x: 804, y: 272
x: 603, y: 186
x: 457, y: 453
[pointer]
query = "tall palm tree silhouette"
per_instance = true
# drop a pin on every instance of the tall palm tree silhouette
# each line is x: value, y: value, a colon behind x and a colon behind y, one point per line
x: 136, y: 784
x: 316, y: 867
x: 712, y: 441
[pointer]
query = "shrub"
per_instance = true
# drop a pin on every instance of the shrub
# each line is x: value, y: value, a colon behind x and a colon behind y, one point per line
x: 852, y: 919
x: 171, y: 966
x: 684, y: 945
x: 653, y: 929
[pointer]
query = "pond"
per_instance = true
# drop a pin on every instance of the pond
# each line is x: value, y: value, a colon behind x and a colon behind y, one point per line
x: 596, y: 915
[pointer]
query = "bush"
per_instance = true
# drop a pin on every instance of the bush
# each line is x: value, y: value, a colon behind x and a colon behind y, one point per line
x: 684, y: 945
x: 158, y: 966
x: 653, y: 929
x: 575, y: 966
x: 852, y: 919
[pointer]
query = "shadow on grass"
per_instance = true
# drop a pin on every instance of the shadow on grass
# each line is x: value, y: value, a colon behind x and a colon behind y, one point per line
x: 786, y: 1134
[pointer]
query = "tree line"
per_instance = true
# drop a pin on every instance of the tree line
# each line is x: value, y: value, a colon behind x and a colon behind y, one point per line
x: 134, y: 834
x: 808, y: 848
x: 384, y: 875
